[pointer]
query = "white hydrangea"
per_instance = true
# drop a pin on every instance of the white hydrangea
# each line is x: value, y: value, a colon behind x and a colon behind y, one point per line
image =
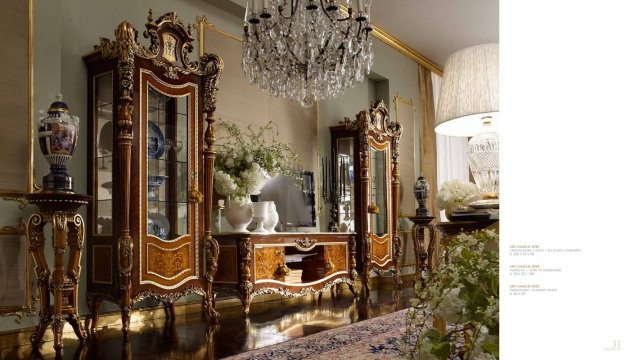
x: 457, y: 192
x: 224, y: 184
x: 253, y: 179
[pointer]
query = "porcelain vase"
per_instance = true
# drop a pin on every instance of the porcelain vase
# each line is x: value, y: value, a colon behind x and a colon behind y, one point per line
x: 272, y: 218
x: 259, y: 213
x: 238, y: 214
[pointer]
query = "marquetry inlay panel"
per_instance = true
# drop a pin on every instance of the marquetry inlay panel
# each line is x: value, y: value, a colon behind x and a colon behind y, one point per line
x: 337, y: 256
x: 381, y: 250
x: 266, y: 262
x: 168, y: 264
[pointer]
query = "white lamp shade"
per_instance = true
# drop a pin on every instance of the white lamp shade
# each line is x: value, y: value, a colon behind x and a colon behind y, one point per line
x: 470, y: 90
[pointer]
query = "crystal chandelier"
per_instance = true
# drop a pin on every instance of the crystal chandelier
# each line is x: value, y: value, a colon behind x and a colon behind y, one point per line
x: 306, y: 50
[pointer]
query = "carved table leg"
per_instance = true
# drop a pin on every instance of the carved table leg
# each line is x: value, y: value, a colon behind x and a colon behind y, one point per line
x: 397, y: 244
x: 60, y: 227
x: 367, y: 260
x: 73, y: 319
x: 94, y: 304
x: 73, y: 270
x: 44, y: 321
x: 35, y: 235
x: 212, y: 256
x: 246, y: 286
x: 417, y: 232
x: 352, y: 290
x: 246, y: 294
x: 125, y: 313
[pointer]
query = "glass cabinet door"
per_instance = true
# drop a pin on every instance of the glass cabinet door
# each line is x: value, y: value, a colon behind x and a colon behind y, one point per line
x: 103, y: 152
x: 345, y: 171
x: 379, y: 189
x: 167, y: 164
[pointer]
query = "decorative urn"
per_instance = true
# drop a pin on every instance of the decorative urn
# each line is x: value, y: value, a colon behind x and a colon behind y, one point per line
x: 421, y: 190
x: 58, y: 131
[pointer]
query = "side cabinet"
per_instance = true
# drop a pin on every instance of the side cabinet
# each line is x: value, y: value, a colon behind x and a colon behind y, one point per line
x: 291, y: 264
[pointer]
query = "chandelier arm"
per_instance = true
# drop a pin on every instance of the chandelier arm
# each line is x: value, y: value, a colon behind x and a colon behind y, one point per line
x: 321, y: 2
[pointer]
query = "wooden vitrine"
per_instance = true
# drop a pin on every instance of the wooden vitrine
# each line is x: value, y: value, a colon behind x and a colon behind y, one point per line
x: 151, y: 164
x: 367, y: 183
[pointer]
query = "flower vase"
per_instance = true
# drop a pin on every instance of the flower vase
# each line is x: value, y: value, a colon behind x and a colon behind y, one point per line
x: 238, y: 214
x: 259, y: 213
x: 272, y: 218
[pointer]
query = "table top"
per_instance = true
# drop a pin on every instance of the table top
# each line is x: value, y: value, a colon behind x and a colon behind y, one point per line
x: 56, y: 201
x: 455, y: 227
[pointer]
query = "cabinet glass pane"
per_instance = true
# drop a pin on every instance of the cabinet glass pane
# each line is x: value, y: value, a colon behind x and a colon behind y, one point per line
x: 379, y: 184
x: 104, y: 129
x: 167, y: 165
x: 345, y: 171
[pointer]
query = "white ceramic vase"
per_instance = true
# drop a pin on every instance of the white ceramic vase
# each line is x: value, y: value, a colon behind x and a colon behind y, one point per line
x: 238, y: 215
x: 272, y: 218
x: 259, y: 213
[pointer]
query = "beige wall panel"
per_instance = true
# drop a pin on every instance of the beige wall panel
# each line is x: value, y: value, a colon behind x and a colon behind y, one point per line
x: 15, y: 145
x: 405, y: 115
x: 244, y: 104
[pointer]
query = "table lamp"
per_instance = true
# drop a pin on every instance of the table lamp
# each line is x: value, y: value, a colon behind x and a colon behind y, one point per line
x: 468, y: 106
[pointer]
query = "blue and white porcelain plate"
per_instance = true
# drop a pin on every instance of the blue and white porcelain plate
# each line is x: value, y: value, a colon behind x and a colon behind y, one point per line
x: 155, y: 141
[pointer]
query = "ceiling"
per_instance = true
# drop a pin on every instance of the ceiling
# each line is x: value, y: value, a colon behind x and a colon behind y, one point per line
x: 433, y: 28
x: 437, y: 28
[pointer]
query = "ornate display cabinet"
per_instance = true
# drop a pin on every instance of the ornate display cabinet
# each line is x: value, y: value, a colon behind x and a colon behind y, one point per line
x: 151, y: 165
x: 291, y: 264
x: 367, y: 202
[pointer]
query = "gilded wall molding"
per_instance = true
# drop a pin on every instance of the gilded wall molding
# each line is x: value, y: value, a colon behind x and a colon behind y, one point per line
x: 202, y: 23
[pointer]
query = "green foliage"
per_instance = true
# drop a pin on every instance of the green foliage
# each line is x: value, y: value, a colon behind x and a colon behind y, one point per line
x: 462, y: 290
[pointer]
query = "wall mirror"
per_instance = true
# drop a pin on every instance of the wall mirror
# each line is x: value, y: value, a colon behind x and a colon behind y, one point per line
x: 295, y: 204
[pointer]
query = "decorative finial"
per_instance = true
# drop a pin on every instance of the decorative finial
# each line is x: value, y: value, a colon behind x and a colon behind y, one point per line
x: 150, y: 17
x: 189, y: 29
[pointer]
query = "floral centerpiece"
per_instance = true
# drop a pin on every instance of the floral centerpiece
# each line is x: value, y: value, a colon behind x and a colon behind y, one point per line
x: 454, y: 194
x: 245, y: 160
x: 464, y: 292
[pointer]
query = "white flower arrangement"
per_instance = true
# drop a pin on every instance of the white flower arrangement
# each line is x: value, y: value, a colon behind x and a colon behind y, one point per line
x: 245, y: 161
x: 464, y: 292
x: 455, y: 193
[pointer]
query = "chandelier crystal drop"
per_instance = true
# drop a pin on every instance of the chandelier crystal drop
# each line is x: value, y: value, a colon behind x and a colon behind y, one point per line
x: 306, y: 50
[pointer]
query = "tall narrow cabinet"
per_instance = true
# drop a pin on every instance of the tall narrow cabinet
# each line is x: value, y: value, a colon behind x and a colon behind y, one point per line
x: 151, y: 162
x: 366, y: 185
